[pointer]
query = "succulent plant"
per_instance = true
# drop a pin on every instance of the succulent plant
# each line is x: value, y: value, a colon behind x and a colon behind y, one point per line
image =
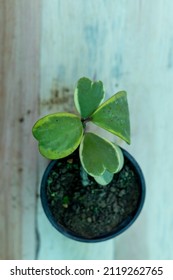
x: 60, y: 134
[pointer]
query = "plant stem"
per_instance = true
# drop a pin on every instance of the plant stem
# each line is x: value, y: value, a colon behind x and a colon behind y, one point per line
x: 85, y: 121
x: 84, y: 176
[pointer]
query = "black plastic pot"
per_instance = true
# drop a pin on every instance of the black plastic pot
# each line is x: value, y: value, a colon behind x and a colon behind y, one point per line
x: 116, y: 231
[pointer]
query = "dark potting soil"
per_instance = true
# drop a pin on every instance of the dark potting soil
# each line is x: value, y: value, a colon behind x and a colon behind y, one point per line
x: 85, y: 207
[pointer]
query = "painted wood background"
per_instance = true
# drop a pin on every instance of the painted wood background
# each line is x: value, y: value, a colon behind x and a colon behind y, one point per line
x: 45, y: 46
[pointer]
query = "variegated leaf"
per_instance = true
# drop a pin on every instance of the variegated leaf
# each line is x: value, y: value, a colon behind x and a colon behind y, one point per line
x: 58, y: 134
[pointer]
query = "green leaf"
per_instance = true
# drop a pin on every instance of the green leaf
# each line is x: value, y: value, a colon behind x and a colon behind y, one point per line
x: 104, y: 179
x: 98, y: 155
x: 87, y: 96
x: 58, y: 134
x: 113, y: 115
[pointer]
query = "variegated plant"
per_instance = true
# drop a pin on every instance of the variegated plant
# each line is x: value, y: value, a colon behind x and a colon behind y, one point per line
x: 60, y: 134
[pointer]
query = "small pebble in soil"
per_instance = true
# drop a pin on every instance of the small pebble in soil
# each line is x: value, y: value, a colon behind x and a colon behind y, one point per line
x: 102, y: 204
x: 89, y: 220
x: 121, y: 193
x: 65, y: 205
x: 113, y: 189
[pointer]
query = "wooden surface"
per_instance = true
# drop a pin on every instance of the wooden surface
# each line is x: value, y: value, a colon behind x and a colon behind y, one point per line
x: 45, y: 47
x: 19, y: 92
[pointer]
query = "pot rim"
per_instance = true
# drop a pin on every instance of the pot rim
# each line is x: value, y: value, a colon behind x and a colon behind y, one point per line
x: 116, y: 231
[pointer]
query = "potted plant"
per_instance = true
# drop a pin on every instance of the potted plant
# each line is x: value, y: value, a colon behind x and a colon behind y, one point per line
x: 92, y: 190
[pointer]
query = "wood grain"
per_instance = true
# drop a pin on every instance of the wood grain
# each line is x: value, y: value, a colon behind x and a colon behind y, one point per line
x: 19, y: 87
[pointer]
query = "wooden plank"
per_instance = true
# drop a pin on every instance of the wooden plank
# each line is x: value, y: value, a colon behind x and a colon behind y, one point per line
x: 19, y: 64
x: 148, y: 74
x: 128, y: 45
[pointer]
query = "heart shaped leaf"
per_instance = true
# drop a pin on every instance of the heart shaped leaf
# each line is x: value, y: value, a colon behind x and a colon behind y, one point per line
x: 98, y: 155
x: 87, y: 96
x: 58, y: 134
x: 113, y: 115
